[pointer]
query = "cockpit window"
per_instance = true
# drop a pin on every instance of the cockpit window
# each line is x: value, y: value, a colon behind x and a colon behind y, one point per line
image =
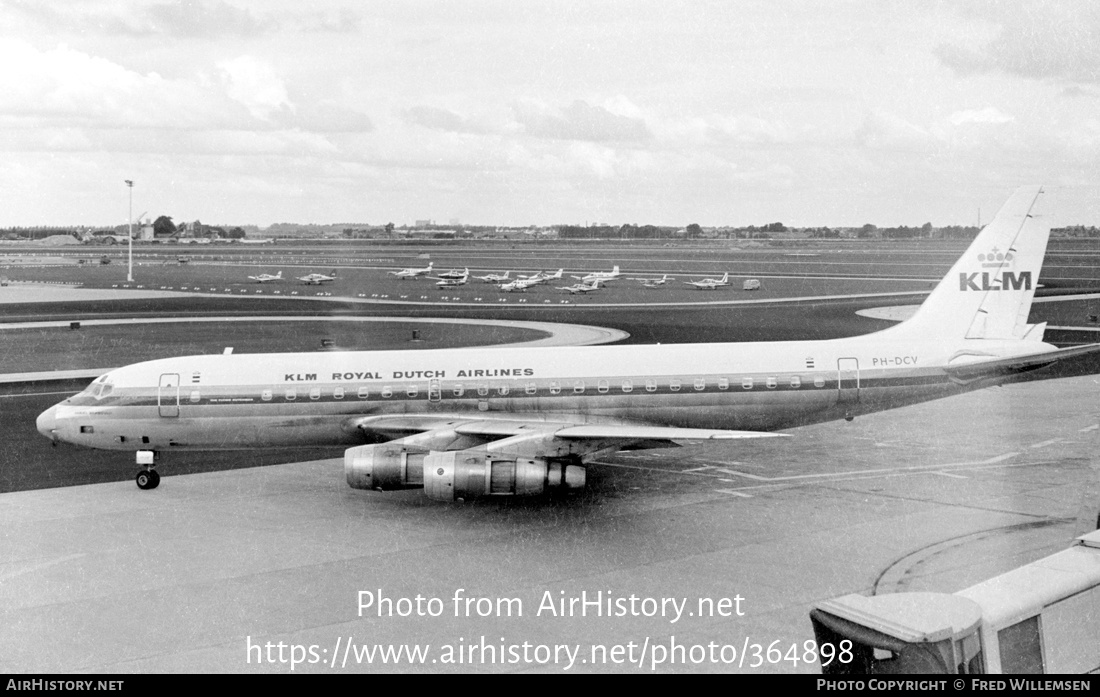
x: 99, y: 389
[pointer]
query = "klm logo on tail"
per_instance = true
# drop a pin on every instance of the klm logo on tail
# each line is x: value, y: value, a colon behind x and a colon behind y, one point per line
x: 988, y: 280
x: 983, y: 281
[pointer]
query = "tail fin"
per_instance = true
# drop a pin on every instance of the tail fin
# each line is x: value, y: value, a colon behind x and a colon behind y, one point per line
x: 988, y: 292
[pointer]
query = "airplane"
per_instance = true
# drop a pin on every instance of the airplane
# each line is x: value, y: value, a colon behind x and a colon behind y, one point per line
x: 455, y: 281
x: 520, y: 284
x: 413, y: 273
x: 266, y: 277
x: 468, y: 422
x: 581, y: 287
x: 494, y: 277
x: 600, y: 275
x: 316, y: 279
x: 453, y: 274
x: 654, y: 282
x: 542, y: 277
x: 710, y: 283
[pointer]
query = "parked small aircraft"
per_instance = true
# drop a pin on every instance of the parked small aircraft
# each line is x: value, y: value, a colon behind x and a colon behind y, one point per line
x: 495, y: 277
x: 453, y: 274
x: 655, y: 282
x: 316, y: 279
x: 542, y: 277
x: 710, y: 283
x: 413, y: 273
x: 452, y: 281
x: 582, y: 288
x: 266, y: 277
x: 600, y: 275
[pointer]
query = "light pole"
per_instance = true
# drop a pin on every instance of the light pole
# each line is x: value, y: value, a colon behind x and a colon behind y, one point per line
x: 130, y: 236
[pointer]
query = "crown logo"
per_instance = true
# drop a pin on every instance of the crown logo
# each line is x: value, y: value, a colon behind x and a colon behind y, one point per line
x: 996, y: 258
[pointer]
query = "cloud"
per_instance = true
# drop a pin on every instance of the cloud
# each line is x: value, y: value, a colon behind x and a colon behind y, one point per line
x: 66, y: 100
x: 326, y: 116
x: 202, y: 18
x: 580, y: 121
x: 256, y: 85
x: 185, y: 19
x: 1051, y: 40
x: 441, y: 120
x: 882, y: 129
x: 989, y: 115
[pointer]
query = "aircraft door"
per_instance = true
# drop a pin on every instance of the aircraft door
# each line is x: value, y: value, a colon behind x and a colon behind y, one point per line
x: 168, y: 395
x: 847, y: 380
x: 435, y: 393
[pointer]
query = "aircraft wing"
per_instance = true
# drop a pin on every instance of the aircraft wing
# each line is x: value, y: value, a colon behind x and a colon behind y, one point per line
x: 1004, y: 367
x: 468, y: 425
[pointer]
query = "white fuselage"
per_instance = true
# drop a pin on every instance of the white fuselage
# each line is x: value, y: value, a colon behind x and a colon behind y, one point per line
x: 311, y: 399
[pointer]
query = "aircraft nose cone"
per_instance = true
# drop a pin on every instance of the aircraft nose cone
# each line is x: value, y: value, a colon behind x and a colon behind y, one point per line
x: 46, y: 422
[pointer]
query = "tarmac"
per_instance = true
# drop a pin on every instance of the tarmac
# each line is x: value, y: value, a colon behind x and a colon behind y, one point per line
x: 188, y: 577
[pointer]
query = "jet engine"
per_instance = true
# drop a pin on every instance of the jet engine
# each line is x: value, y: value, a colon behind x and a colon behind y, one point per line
x: 464, y: 474
x: 384, y: 466
x: 457, y: 474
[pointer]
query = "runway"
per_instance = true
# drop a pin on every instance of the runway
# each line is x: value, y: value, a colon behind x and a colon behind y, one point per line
x: 107, y: 578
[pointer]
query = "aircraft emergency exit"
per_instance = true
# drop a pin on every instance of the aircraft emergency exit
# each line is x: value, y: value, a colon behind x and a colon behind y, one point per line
x: 507, y: 421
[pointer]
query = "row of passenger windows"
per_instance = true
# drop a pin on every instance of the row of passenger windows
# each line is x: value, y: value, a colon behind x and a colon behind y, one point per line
x: 555, y: 387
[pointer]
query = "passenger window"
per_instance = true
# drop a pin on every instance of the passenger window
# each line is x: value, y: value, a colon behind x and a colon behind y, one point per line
x: 363, y: 392
x: 291, y: 395
x: 338, y: 393
x: 387, y: 391
x: 772, y: 382
x: 87, y: 429
x: 266, y: 395
x: 195, y: 397
x: 555, y: 387
x: 819, y: 381
x: 746, y: 383
x: 796, y: 381
x: 458, y: 389
x: 723, y: 383
x: 650, y: 385
x: 502, y: 390
x: 674, y: 385
x: 700, y: 383
x: 411, y: 390
x: 315, y: 393
x: 601, y: 386
x: 628, y: 386
x: 482, y: 390
x: 578, y: 387
x: 530, y: 389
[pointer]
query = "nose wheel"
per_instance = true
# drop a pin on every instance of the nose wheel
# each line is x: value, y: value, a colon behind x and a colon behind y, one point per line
x: 147, y: 479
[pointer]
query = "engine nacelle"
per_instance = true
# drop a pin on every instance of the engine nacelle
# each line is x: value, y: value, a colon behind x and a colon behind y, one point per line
x: 384, y: 466
x: 464, y: 474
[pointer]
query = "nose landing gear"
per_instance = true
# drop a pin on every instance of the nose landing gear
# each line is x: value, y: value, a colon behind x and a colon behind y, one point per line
x: 147, y: 478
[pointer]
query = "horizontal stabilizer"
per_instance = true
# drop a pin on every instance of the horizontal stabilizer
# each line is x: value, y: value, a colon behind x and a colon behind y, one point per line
x: 977, y: 369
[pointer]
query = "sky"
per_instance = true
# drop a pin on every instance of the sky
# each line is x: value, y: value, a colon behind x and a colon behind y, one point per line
x: 532, y: 112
